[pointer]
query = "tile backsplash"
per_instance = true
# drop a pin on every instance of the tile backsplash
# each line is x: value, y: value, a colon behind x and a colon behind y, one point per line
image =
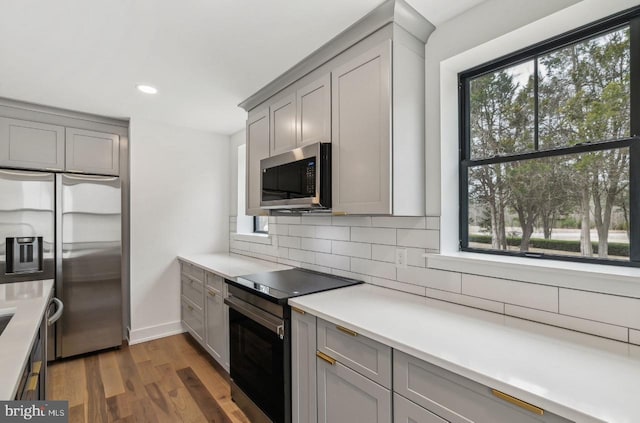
x: 364, y: 247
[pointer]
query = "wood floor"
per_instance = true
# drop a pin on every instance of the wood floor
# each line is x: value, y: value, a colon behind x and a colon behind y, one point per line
x: 166, y: 380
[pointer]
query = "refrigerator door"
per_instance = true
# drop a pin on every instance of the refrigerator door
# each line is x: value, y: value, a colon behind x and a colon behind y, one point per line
x: 26, y: 214
x: 90, y: 287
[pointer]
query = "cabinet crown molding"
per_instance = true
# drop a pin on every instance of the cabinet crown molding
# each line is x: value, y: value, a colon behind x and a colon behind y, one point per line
x: 398, y: 12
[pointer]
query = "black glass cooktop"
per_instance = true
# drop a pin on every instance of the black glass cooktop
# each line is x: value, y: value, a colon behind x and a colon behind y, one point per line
x: 280, y: 285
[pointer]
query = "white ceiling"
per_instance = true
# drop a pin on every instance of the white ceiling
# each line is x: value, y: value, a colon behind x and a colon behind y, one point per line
x: 205, y: 56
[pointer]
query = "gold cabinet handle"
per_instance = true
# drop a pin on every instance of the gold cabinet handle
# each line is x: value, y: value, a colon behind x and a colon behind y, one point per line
x: 518, y: 402
x: 211, y: 293
x: 37, y: 366
x: 347, y: 331
x: 33, y: 383
x: 297, y: 310
x: 190, y: 308
x: 339, y: 213
x: 326, y: 358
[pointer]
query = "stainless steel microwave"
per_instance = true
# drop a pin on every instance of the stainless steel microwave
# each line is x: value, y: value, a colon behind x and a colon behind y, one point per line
x: 298, y: 179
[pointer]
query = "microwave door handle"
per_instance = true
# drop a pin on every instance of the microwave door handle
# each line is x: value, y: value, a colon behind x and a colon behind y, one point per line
x: 257, y: 316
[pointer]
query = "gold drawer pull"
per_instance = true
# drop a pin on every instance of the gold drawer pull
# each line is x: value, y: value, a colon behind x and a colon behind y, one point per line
x: 37, y: 366
x: 339, y: 213
x: 326, y: 358
x: 297, y: 310
x: 347, y: 331
x: 33, y: 383
x: 518, y: 402
x: 190, y: 308
x: 211, y: 293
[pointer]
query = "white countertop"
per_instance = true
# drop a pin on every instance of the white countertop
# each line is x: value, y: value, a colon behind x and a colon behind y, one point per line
x: 27, y: 301
x: 580, y: 377
x: 230, y: 266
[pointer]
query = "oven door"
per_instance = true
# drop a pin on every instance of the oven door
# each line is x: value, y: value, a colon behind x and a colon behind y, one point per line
x: 257, y: 360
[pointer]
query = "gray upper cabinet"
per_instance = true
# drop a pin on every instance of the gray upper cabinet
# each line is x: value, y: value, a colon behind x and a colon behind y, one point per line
x: 314, y: 112
x: 283, y: 125
x: 361, y: 108
x: 92, y: 152
x: 257, y: 149
x: 346, y: 396
x: 303, y: 368
x: 31, y: 145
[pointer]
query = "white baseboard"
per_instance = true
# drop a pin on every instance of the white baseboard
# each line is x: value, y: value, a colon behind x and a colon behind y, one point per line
x: 136, y: 336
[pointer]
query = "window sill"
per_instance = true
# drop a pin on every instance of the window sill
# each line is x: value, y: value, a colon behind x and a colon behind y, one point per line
x: 615, y: 280
x: 252, y: 237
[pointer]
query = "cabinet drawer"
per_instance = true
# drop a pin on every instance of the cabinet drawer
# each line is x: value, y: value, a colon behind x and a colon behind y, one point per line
x: 215, y: 281
x: 192, y: 289
x: 405, y: 411
x: 192, y: 318
x: 366, y: 356
x: 455, y: 398
x: 193, y: 271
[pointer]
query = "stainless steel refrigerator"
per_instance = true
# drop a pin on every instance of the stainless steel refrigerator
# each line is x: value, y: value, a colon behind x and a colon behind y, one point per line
x: 67, y: 227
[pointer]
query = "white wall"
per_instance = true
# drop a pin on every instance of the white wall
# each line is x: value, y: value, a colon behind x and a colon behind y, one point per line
x: 179, y: 205
x: 603, y: 301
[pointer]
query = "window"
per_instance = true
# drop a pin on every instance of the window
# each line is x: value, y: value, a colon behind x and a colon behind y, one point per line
x: 261, y: 224
x: 550, y: 153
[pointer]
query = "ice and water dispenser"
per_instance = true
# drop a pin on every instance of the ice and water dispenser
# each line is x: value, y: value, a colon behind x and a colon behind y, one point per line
x: 24, y: 254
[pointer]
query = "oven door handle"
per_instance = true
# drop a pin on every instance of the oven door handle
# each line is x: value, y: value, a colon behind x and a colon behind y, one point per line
x: 263, y: 318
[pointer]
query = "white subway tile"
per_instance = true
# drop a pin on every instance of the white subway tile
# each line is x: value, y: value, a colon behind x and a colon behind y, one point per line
x: 289, y: 262
x: 272, y: 219
x: 351, y: 220
x: 398, y: 286
x: 373, y: 268
x: 634, y: 336
x: 240, y: 245
x: 313, y: 244
x: 303, y: 231
x: 302, y: 255
x: 398, y: 222
x: 415, y: 257
x: 283, y: 252
x: 383, y: 253
x: 351, y: 275
x: 612, y: 309
x: 315, y: 220
x: 289, y: 241
x: 233, y: 218
x: 289, y: 220
x: 374, y: 235
x: 418, y: 238
x: 433, y: 222
x: 278, y: 229
x: 264, y: 257
x: 351, y: 249
x: 466, y: 300
x: 530, y: 295
x: 581, y: 325
x: 431, y: 278
x: 315, y: 267
x: 333, y: 232
x: 233, y: 227
x: 333, y: 261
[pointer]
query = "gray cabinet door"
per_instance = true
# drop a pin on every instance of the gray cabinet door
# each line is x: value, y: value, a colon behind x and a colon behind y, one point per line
x: 92, y: 152
x: 283, y: 125
x: 346, y: 396
x: 31, y: 145
x: 361, y: 133
x: 303, y: 368
x: 405, y: 411
x: 214, y: 325
x: 314, y: 112
x: 257, y: 149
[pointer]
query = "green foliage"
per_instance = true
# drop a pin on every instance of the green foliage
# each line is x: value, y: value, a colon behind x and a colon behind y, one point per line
x: 615, y: 249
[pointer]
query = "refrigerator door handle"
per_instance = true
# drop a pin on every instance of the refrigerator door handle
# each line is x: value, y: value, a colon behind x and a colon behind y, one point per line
x: 59, y: 308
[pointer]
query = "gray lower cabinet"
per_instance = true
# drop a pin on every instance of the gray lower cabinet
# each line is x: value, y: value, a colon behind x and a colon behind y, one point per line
x: 303, y: 368
x: 31, y: 145
x: 405, y: 411
x: 215, y: 330
x: 346, y: 396
x: 460, y: 400
x: 92, y: 152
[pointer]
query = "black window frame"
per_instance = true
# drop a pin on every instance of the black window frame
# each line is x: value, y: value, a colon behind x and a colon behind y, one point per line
x: 629, y: 17
x: 255, y: 225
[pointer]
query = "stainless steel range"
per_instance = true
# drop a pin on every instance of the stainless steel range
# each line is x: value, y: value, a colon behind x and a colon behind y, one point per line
x: 260, y: 338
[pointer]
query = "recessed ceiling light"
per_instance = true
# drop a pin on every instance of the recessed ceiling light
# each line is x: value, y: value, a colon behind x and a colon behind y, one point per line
x: 147, y: 89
